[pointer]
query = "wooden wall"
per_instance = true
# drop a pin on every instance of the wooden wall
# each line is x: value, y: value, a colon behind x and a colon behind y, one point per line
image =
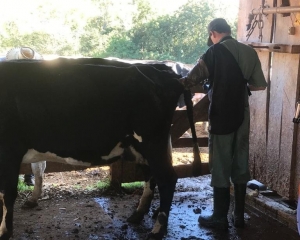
x: 274, y: 151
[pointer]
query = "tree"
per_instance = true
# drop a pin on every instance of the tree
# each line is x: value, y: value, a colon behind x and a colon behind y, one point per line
x: 178, y: 37
x: 117, y: 28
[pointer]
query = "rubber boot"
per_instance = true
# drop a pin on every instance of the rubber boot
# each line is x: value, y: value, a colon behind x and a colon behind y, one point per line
x: 221, y: 206
x: 239, y: 205
x: 28, y: 179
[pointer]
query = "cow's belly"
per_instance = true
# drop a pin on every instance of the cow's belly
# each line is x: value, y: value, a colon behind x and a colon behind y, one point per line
x: 33, y: 156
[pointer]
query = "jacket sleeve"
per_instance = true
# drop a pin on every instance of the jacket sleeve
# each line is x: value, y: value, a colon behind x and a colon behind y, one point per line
x: 196, y: 75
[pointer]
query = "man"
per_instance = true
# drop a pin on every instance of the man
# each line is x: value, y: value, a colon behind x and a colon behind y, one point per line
x: 24, y: 53
x: 232, y: 69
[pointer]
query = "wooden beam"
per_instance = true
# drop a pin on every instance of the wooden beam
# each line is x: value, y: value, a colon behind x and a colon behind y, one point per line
x: 124, y: 172
x: 180, y: 120
x: 274, y: 47
x: 188, y: 142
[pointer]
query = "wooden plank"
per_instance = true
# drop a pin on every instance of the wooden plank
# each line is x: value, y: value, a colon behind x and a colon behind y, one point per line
x: 181, y: 123
x: 282, y: 27
x: 272, y: 47
x: 202, y: 116
x: 295, y: 164
x: 274, y: 123
x: 119, y: 172
x: 188, y: 142
x: 258, y: 102
x: 280, y: 132
x: 245, y: 8
x: 287, y: 154
x: 284, y: 82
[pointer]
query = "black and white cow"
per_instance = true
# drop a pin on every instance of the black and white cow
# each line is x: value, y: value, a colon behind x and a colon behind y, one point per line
x: 38, y: 168
x: 87, y: 114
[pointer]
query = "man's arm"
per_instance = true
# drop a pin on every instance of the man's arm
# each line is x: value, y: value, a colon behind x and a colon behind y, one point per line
x: 197, y: 75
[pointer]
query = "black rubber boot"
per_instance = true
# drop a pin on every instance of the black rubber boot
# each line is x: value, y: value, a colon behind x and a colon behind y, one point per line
x: 28, y: 179
x: 239, y: 205
x: 221, y: 206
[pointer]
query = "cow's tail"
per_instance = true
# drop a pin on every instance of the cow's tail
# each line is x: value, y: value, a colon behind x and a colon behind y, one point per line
x: 196, y: 166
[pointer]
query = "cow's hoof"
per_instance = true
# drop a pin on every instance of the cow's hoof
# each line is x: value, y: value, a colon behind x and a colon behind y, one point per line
x: 155, y: 236
x: 136, y: 217
x: 29, y: 204
x: 155, y: 213
x: 160, y: 228
x: 5, y: 236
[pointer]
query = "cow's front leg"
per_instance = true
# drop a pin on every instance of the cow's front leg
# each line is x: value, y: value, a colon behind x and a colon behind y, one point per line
x: 10, y: 161
x: 38, y: 170
x: 5, y: 233
x: 8, y: 195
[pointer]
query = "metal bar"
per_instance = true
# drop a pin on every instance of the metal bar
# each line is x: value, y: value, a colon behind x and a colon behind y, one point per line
x: 272, y: 10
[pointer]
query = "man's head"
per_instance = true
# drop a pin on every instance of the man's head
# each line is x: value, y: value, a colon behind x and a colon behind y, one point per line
x: 217, y: 29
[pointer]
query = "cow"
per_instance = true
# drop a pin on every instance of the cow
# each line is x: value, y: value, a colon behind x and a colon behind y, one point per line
x: 38, y: 168
x: 87, y: 114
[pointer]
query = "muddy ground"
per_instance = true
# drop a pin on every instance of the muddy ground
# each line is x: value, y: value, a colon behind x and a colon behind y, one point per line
x: 72, y: 208
x: 68, y: 211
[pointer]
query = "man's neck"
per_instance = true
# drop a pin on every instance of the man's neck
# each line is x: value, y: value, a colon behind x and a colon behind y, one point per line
x: 224, y: 36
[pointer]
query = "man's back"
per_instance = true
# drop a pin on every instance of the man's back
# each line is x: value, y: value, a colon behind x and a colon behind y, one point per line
x: 248, y: 61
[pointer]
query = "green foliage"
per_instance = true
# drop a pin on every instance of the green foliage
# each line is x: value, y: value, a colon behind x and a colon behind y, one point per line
x: 42, y: 42
x: 179, y: 37
x: 103, y: 185
x: 22, y: 187
x: 144, y: 12
x: 132, y: 186
x: 135, y: 32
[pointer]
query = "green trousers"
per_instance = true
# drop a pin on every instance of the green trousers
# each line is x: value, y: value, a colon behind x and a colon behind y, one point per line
x: 229, y: 156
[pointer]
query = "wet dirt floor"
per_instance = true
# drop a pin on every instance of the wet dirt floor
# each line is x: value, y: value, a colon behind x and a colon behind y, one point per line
x: 71, y: 209
x: 73, y: 213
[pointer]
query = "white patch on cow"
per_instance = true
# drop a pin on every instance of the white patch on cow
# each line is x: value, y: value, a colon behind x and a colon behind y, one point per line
x: 139, y: 159
x: 3, y: 228
x: 38, y: 170
x: 146, y: 198
x: 158, y: 226
x: 169, y: 148
x: 137, y: 137
x: 33, y: 156
x: 117, y: 151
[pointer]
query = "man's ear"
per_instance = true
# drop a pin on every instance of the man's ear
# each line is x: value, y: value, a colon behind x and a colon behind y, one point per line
x: 214, y: 34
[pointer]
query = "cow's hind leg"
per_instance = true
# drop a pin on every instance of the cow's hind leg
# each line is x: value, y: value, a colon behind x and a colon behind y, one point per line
x: 10, y: 160
x: 166, y: 178
x: 145, y: 201
x: 38, y: 170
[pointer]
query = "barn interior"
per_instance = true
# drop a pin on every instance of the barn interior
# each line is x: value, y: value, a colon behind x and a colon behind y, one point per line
x: 272, y: 28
